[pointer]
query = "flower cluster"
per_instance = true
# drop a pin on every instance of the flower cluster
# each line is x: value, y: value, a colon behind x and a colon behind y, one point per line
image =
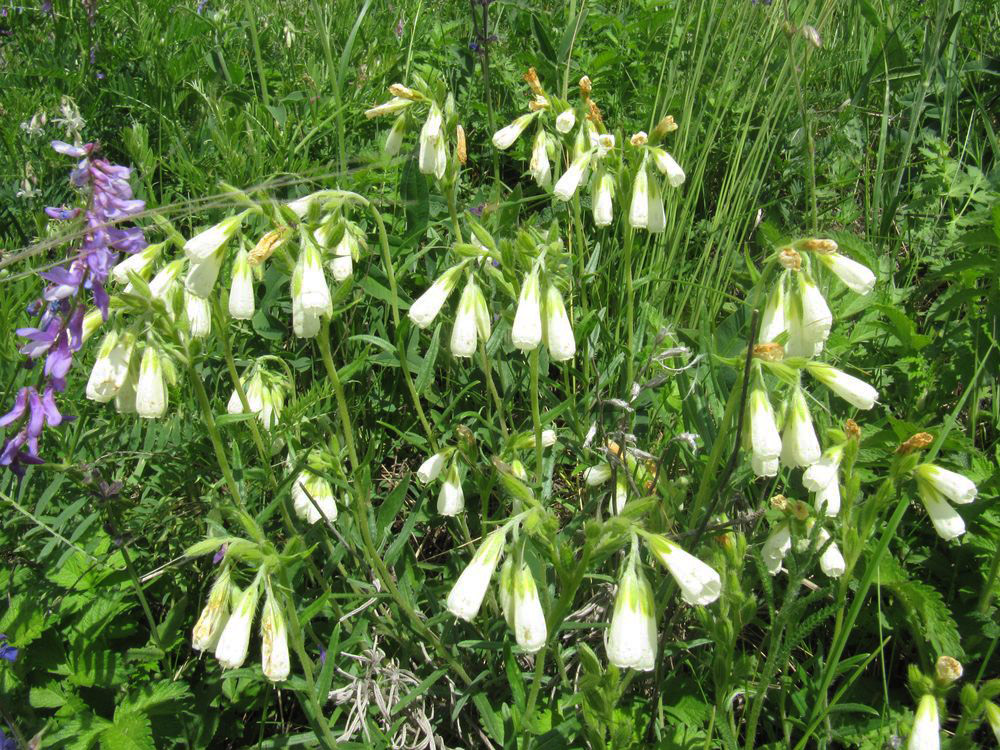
x: 798, y: 520
x: 646, y: 210
x: 64, y: 322
x: 265, y: 393
x: 621, y: 464
x: 312, y: 494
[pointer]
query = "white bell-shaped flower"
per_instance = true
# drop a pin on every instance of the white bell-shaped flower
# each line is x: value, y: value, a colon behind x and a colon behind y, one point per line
x: 765, y: 440
x: 111, y: 367
x: 202, y: 274
x: 394, y: 140
x: 947, y: 522
x: 853, y: 390
x: 856, y: 276
x: 570, y: 181
x: 505, y: 591
x: 954, y: 486
x: 828, y: 499
x: 451, y: 499
x: 926, y: 732
x: 310, y: 292
x: 773, y: 321
x: 603, y: 200
x: 698, y: 582
x: 253, y: 389
x: 464, y: 334
x: 566, y: 120
x: 668, y: 167
x: 657, y: 218
x: 526, y: 333
x: 799, y: 444
x: 241, y: 290
x: 638, y: 215
x: 138, y: 263
x: 342, y: 265
x: 809, y: 322
x: 631, y: 637
x: 431, y: 468
x: 164, y: 280
x: 529, y: 617
x: 231, y: 650
x: 313, y: 498
x: 505, y: 137
x: 274, y: 658
x: 151, y: 390
x: 433, y: 154
x: 540, y: 167
x: 776, y: 546
x: 831, y: 561
x: 198, y: 311
x: 427, y: 306
x: 597, y: 475
x: 558, y: 329
x: 212, y: 240
x: 212, y: 620
x: 824, y: 472
x: 466, y: 596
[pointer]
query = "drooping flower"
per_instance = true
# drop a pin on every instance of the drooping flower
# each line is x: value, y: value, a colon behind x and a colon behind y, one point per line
x: 451, y: 499
x: 822, y: 475
x: 857, y: 277
x: 957, y: 488
x: 342, y: 265
x: 211, y: 241
x: 831, y: 561
x: 668, y: 166
x: 559, y: 336
x: 310, y: 293
x: 570, y: 181
x: 241, y: 290
x: 799, y: 444
x: 809, y: 322
x: 199, y: 314
x: 597, y: 475
x: 208, y: 629
x: 431, y: 468
x: 765, y: 440
x: 566, y: 120
x: 526, y: 333
x: 427, y: 306
x: 505, y: 137
x: 313, y: 499
x: 656, y: 221
x: 603, y: 199
x: 111, y: 367
x: 529, y: 617
x: 394, y: 140
x: 631, y: 638
x: 274, y: 659
x: 234, y: 642
x: 151, y: 390
x: 947, y: 522
x: 202, y: 275
x: 138, y: 264
x: 776, y: 546
x: 539, y: 167
x: 773, y: 321
x: 638, y: 215
x: 853, y: 390
x: 433, y: 155
x: 464, y: 334
x: 699, y: 583
x: 926, y: 732
x: 466, y: 596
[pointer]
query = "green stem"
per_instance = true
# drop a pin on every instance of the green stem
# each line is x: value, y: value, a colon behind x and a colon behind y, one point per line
x: 629, y: 309
x: 361, y: 509
x: 453, y: 210
x: 536, y: 419
x: 808, y: 144
x: 497, y: 401
x: 258, y: 59
x: 154, y: 631
x: 988, y: 589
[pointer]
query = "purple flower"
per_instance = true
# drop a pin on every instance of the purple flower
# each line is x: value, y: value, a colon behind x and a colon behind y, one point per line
x: 7, y: 652
x: 7, y: 743
x: 61, y: 214
x: 220, y: 554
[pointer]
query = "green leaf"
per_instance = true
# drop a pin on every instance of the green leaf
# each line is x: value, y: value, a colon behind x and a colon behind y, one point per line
x: 416, y: 200
x: 130, y: 731
x: 156, y: 698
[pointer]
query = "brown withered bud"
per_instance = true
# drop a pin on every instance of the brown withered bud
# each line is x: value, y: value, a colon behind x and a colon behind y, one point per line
x: 916, y: 443
x: 852, y: 429
x: 800, y: 510
x: 404, y: 92
x: 779, y: 502
x: 822, y: 246
x: 531, y: 78
x: 267, y: 244
x: 790, y: 259
x: 770, y: 352
x: 586, y: 86
x: 639, y: 139
x: 539, y: 102
x: 947, y: 670
x: 614, y: 448
x: 460, y: 149
x: 663, y: 127
x: 464, y: 435
x: 594, y: 115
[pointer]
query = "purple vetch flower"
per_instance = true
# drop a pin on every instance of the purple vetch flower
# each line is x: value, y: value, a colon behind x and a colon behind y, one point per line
x: 58, y: 334
x: 220, y: 554
x: 7, y: 651
x: 201, y: 5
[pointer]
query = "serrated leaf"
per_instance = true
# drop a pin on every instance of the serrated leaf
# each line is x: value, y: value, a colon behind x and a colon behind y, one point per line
x: 130, y: 731
x: 156, y: 698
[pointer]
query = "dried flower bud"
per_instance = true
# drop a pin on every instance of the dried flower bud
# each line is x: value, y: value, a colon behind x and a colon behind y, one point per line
x: 531, y: 78
x: 595, y: 113
x: 818, y: 245
x: 812, y: 36
x: 586, y: 86
x: 538, y: 103
x: 800, y: 510
x: 779, y: 502
x: 639, y: 139
x: 947, y: 670
x: 460, y: 148
x: 267, y: 244
x: 769, y: 352
x: 852, y: 429
x: 790, y: 259
x: 664, y: 126
x: 916, y: 443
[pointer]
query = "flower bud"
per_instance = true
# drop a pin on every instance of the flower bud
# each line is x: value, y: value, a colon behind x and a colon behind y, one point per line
x: 558, y: 329
x: 765, y: 440
x: 111, y: 367
x: 699, y: 583
x: 139, y: 263
x: 993, y: 718
x: 541, y: 170
x: 926, y: 732
x: 773, y: 322
x: 631, y: 638
x: 234, y: 642
x: 505, y: 137
x: 342, y: 265
x: 274, y: 641
x: 270, y: 242
x: 853, y: 390
x: 954, y: 486
x: 164, y: 280
x: 566, y: 120
x: 463, y: 335
x: 451, y: 500
x: 433, y: 155
x: 947, y: 670
x: 620, y: 497
x: 529, y: 618
x: 151, y: 391
x: 211, y: 241
x: 639, y: 139
x: 668, y: 167
x: 597, y: 475
x: 776, y: 546
x: 570, y: 181
x: 253, y: 390
x: 208, y: 629
x: 461, y: 149
x: 518, y: 470
x: 857, y: 277
x: 831, y: 561
x: 603, y: 199
x: 241, y: 299
x: 91, y: 322
x: 789, y: 259
x: 799, y: 444
x: 638, y: 215
x: 657, y: 221
x: 396, y: 104
x: 526, y: 332
x: 466, y: 596
x: 426, y: 307
x: 917, y: 442
x: 431, y: 468
x: 506, y: 591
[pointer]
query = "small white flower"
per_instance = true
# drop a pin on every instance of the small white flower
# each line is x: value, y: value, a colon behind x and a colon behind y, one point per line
x: 431, y: 468
x: 433, y: 157
x: 569, y: 183
x: 451, y: 499
x: 201, y: 275
x: 549, y: 438
x: 138, y: 263
x: 631, y: 638
x: 342, y: 265
x: 824, y: 472
x: 926, y: 733
x: 810, y: 322
x: 558, y: 329
x: 597, y: 475
x: 773, y: 322
x: 668, y: 166
x: 526, y: 332
x: 111, y: 367
x: 529, y: 618
x: 776, y: 546
x: 125, y: 398
x: 828, y: 499
x: 274, y: 641
x: 164, y: 280
x: 540, y: 168
x: 427, y: 306
x: 506, y: 591
x: 799, y: 444
x: 312, y: 498
x: 199, y: 315
x: 310, y: 293
x: 657, y: 218
x: 602, y: 143
x: 211, y: 241
x: 638, y: 215
x: 831, y: 562
x: 241, y: 299
x: 699, y: 583
x: 765, y: 440
x: 151, y: 392
x: 565, y: 121
x: 234, y: 642
x: 853, y: 390
x: 603, y: 200
x: 505, y: 137
x: 212, y: 620
x: 253, y: 389
x: 947, y: 522
x: 954, y: 486
x: 466, y: 596
x: 394, y: 140
x: 395, y: 104
x: 272, y: 402
x: 463, y: 335
x: 857, y: 277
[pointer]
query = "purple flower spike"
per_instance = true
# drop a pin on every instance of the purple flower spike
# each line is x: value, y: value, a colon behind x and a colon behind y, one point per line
x: 20, y: 406
x: 64, y: 148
